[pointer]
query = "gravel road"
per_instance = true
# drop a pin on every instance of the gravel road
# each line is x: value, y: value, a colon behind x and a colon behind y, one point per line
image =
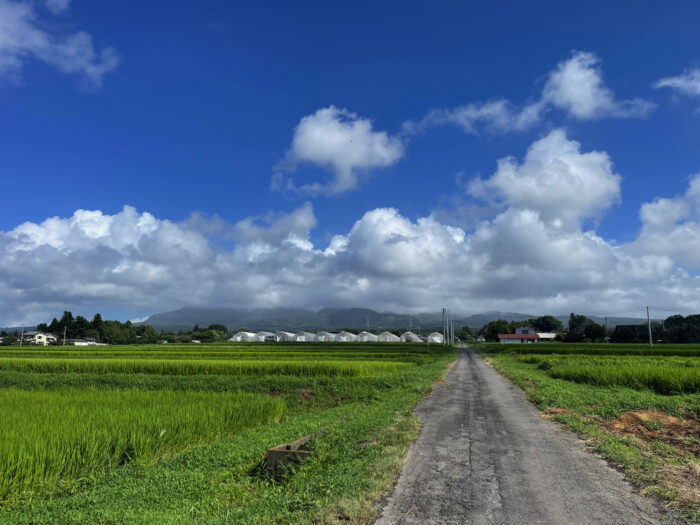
x: 486, y: 456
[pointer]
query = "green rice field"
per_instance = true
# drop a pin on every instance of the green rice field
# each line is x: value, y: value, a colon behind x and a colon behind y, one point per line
x: 178, y: 433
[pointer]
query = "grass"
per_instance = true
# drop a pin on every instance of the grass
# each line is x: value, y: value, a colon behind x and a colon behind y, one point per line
x: 218, y: 478
x: 198, y: 366
x: 47, y: 436
x: 595, y: 394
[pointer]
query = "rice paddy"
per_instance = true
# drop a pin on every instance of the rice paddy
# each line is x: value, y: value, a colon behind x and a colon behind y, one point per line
x: 76, y: 423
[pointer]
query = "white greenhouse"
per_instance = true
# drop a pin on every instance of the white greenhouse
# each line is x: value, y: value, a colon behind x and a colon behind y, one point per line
x: 325, y: 337
x: 388, y: 337
x: 265, y: 336
x: 435, y: 337
x: 366, y: 337
x: 284, y: 337
x: 346, y: 337
x: 410, y: 337
x: 304, y: 337
x: 242, y: 337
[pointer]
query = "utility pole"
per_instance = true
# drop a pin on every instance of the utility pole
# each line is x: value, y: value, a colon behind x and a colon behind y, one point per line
x: 607, y: 337
x: 651, y: 344
x: 444, y: 327
x: 64, y: 335
x: 21, y: 337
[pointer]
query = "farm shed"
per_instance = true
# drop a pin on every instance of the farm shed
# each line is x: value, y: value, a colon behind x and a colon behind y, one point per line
x: 283, y: 337
x: 325, y: 337
x: 265, y: 336
x: 242, y: 337
x: 410, y: 337
x: 435, y: 337
x: 366, y: 337
x: 547, y: 336
x: 304, y: 337
x: 388, y: 337
x: 346, y: 337
x: 518, y: 338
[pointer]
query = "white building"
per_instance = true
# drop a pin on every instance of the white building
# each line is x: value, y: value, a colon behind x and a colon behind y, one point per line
x: 304, y: 337
x: 325, y: 337
x: 346, y: 337
x: 284, y: 337
x: 39, y: 338
x: 547, y: 336
x: 265, y: 336
x: 366, y: 337
x: 410, y: 337
x: 388, y: 337
x: 436, y: 337
x: 242, y: 337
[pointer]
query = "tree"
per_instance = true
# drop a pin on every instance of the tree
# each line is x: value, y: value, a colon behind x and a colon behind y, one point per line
x: 97, y: 322
x: 594, y: 331
x: 577, y: 326
x: 622, y: 335
x: 218, y: 328
x: 466, y: 333
x: 492, y: 329
x: 547, y: 323
x: 8, y: 340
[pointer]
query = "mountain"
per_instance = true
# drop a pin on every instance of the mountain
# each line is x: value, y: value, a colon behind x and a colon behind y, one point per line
x: 291, y: 319
x: 294, y: 319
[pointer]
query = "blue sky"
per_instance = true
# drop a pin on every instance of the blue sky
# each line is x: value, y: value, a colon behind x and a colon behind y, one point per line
x: 199, y: 107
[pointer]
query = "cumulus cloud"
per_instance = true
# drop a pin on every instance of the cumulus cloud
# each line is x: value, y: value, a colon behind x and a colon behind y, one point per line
x: 22, y: 38
x: 561, y: 184
x: 575, y: 86
x: 342, y: 142
x: 687, y: 83
x: 671, y: 226
x: 533, y: 254
x: 56, y: 6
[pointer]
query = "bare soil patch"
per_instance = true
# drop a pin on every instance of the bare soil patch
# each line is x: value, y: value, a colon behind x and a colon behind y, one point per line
x: 651, y: 425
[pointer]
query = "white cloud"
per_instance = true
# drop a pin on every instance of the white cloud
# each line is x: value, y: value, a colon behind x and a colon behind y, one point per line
x: 22, y: 38
x: 533, y: 255
x: 688, y: 83
x: 561, y: 184
x: 575, y: 86
x: 341, y: 141
x: 671, y: 226
x: 56, y: 6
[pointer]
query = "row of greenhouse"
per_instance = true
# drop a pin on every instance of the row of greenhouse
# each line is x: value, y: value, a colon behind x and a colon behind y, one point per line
x: 334, y: 337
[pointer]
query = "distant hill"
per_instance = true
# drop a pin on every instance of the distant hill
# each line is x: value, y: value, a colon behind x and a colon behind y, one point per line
x: 333, y: 319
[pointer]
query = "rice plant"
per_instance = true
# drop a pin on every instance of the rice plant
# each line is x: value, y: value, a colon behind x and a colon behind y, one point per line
x: 47, y: 436
x: 208, y: 367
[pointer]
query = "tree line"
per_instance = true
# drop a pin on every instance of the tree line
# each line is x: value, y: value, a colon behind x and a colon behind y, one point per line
x: 674, y: 329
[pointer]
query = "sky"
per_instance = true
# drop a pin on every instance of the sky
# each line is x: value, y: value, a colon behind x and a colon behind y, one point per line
x: 400, y: 156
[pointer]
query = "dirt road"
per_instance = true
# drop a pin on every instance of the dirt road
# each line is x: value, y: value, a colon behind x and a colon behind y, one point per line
x: 486, y: 456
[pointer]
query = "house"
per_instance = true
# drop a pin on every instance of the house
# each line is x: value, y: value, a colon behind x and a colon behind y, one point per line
x: 242, y: 337
x: 547, y: 336
x: 410, y: 337
x: 436, y: 337
x: 366, y: 337
x: 304, y: 337
x: 267, y: 337
x: 284, y: 337
x: 325, y: 337
x: 388, y: 337
x: 39, y: 338
x: 346, y: 337
x: 518, y: 338
x: 525, y: 330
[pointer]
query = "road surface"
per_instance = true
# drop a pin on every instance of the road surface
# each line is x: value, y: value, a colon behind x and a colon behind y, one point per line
x: 485, y: 456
